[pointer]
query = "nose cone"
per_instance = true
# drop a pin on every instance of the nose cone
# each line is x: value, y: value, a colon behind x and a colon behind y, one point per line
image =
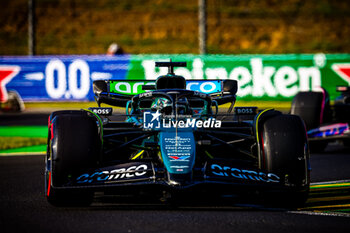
x: 178, y: 150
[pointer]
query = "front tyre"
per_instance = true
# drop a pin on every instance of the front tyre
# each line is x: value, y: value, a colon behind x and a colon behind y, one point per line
x: 73, y: 146
x: 285, y: 152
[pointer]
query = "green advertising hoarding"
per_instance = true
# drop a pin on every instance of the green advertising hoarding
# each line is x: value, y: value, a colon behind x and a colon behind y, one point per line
x: 260, y: 77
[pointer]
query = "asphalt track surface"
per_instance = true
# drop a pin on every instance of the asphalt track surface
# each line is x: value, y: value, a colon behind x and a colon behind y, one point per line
x: 23, y: 207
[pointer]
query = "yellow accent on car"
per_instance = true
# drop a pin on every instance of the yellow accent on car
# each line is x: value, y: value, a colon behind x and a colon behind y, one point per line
x: 208, y: 154
x: 160, y: 156
x: 138, y: 155
x: 257, y: 121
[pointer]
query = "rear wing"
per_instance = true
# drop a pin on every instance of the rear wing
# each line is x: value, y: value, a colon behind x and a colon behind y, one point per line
x: 118, y: 92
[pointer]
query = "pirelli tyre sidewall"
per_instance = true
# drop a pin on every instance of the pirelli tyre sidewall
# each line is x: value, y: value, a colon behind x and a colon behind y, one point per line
x: 314, y: 109
x: 73, y: 145
x: 285, y: 153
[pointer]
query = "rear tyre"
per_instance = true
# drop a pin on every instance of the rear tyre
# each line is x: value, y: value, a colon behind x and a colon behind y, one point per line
x: 314, y: 109
x: 73, y: 146
x: 285, y: 154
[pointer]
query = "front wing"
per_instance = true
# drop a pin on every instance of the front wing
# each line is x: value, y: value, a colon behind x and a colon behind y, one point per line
x: 221, y: 173
x: 330, y: 132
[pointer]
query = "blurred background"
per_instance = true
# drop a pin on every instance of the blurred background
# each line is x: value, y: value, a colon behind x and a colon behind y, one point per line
x: 170, y: 26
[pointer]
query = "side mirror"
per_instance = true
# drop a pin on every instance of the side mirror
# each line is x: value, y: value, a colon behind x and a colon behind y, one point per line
x: 230, y: 86
x: 215, y: 104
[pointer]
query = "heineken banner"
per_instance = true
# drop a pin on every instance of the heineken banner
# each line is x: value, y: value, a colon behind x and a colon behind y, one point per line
x: 260, y: 77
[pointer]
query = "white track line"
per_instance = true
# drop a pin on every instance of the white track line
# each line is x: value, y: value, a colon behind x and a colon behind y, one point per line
x: 332, y: 214
x: 331, y: 182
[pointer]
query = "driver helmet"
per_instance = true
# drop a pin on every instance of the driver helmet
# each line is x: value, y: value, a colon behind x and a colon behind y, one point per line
x: 163, y: 105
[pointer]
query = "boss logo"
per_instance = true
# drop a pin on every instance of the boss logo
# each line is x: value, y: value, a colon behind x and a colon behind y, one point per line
x: 102, y: 111
x: 246, y: 110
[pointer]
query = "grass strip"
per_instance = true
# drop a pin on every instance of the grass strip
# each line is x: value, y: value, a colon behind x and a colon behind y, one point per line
x: 38, y: 149
x: 17, y: 142
x: 24, y: 131
x: 329, y: 186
